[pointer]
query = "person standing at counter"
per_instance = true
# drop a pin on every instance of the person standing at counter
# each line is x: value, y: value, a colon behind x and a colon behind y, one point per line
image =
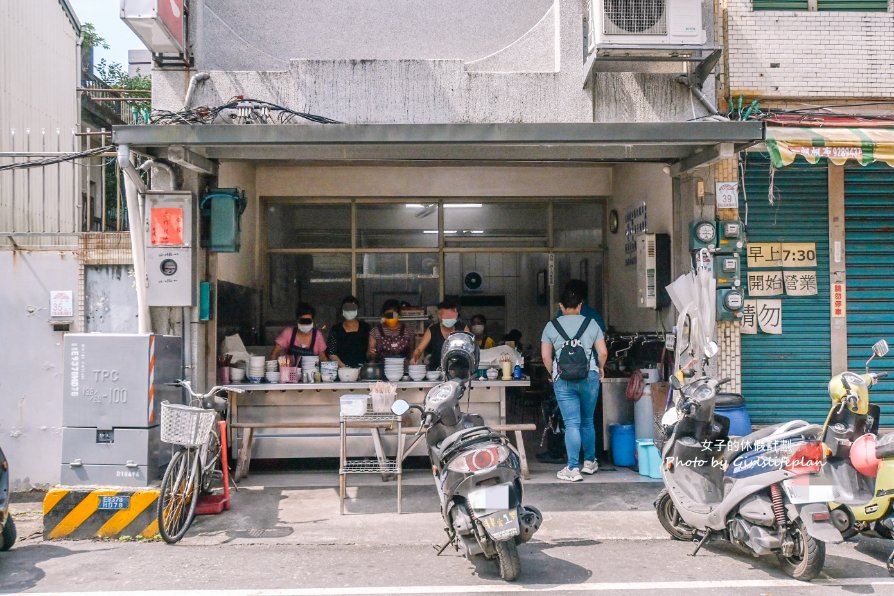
x: 390, y: 338
x: 479, y: 329
x: 579, y: 287
x: 576, y: 396
x: 302, y: 340
x: 349, y: 339
x: 433, y: 339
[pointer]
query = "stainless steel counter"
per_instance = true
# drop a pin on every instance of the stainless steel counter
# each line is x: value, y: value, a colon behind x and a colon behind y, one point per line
x: 319, y: 403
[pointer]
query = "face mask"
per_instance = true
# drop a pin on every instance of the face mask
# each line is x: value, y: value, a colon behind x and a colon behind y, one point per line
x: 306, y: 328
x: 349, y: 315
x: 448, y: 322
x: 477, y: 329
x: 392, y: 322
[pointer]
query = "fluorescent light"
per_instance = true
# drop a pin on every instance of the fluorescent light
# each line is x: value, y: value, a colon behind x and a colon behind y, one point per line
x: 446, y: 205
x: 477, y: 231
x: 435, y: 231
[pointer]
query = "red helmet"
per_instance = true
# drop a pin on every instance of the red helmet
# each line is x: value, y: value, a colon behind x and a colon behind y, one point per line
x: 863, y: 455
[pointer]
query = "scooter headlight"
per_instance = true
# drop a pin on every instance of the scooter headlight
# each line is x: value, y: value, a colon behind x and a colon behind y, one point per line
x: 480, y: 460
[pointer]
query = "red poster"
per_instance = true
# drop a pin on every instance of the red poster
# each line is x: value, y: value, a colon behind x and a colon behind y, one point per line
x: 166, y: 226
x: 171, y: 14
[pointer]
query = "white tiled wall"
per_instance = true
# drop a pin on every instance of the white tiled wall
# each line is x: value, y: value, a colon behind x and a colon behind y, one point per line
x: 810, y: 53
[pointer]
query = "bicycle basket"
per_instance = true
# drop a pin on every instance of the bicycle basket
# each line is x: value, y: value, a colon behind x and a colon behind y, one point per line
x: 185, y: 425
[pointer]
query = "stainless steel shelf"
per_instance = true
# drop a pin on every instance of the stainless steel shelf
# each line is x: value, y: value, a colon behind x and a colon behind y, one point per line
x: 371, y: 416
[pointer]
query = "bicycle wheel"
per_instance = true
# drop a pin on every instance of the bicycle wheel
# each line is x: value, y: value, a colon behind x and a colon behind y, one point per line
x: 178, y: 496
x: 212, y: 457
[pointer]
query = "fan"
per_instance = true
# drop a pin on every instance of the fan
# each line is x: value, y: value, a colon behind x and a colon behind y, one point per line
x: 634, y: 16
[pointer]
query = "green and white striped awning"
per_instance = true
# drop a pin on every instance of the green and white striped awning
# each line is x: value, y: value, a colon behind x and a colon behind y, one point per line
x: 862, y: 145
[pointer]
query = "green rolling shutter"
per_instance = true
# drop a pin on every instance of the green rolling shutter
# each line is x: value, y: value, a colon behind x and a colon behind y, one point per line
x: 869, y: 245
x: 853, y: 5
x: 780, y: 4
x: 784, y: 377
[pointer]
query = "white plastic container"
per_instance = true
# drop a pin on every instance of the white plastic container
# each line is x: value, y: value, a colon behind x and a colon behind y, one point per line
x: 381, y: 402
x: 643, y: 422
x: 353, y: 405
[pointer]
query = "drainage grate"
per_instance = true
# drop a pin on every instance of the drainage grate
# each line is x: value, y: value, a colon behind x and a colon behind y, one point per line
x: 641, y: 17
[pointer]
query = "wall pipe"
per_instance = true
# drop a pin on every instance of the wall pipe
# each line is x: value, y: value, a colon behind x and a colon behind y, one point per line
x: 699, y: 95
x: 151, y: 163
x: 133, y: 187
x: 193, y: 83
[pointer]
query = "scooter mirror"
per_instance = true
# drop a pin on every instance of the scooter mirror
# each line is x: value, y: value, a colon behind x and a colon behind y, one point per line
x: 676, y: 382
x: 880, y: 348
x: 711, y: 349
x: 400, y: 407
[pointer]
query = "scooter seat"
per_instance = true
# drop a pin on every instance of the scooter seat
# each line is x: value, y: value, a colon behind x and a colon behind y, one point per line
x: 740, y: 445
x: 885, y: 446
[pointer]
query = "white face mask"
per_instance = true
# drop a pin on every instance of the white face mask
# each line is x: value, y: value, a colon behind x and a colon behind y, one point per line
x: 305, y: 328
x: 349, y: 315
x: 448, y: 322
x: 477, y: 329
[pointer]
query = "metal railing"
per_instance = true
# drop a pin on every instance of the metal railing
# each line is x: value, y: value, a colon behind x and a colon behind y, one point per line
x: 118, y: 106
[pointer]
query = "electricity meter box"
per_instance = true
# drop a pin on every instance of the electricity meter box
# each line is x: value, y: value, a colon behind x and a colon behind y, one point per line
x: 653, y: 270
x: 731, y: 236
x: 222, y: 210
x: 729, y: 304
x: 169, y: 249
x: 726, y: 271
x: 111, y: 408
x: 702, y: 234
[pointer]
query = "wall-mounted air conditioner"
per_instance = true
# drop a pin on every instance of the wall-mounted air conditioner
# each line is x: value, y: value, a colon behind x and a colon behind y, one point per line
x: 645, y: 23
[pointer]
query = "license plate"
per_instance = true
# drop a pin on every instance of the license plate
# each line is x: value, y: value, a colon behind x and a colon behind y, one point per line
x: 114, y: 503
x: 808, y: 489
x: 489, y: 498
x: 502, y: 524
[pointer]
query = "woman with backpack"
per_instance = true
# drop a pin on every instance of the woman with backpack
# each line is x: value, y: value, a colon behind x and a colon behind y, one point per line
x: 567, y: 346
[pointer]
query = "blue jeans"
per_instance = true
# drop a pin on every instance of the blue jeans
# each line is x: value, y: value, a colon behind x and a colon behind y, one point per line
x: 577, y: 401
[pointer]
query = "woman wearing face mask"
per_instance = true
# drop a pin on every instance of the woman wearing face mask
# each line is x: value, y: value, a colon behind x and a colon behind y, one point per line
x: 349, y: 339
x: 303, y: 339
x: 479, y: 324
x: 432, y: 341
x: 390, y: 338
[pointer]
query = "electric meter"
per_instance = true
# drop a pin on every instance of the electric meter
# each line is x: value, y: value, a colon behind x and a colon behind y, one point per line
x: 703, y: 234
x: 726, y: 271
x: 729, y: 304
x: 731, y: 236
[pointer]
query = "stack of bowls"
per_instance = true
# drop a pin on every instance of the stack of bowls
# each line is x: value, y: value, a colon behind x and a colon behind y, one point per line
x: 328, y: 370
x: 433, y: 375
x: 309, y: 363
x: 417, y: 371
x: 394, y: 369
x: 272, y: 376
x: 237, y: 372
x: 256, y: 369
x: 348, y: 375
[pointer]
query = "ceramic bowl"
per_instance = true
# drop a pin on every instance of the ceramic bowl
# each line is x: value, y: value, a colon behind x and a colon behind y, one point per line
x: 433, y: 375
x: 327, y: 378
x: 348, y: 375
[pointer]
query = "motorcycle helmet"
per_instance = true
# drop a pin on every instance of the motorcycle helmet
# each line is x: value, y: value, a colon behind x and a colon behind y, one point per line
x: 837, y: 391
x: 863, y: 456
x: 460, y: 355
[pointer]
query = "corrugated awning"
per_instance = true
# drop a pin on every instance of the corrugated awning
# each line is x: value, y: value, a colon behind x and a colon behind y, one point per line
x: 862, y: 145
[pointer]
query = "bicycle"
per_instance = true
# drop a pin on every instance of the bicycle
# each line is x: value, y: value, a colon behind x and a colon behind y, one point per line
x: 192, y: 469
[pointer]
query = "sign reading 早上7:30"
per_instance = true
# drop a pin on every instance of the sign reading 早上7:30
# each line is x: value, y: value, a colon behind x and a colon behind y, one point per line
x: 788, y: 255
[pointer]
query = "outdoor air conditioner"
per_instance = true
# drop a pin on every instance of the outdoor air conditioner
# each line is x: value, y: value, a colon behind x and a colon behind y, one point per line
x: 645, y: 23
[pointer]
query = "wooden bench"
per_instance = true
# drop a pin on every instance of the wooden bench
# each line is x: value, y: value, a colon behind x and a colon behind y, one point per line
x: 243, y: 460
x: 518, y: 429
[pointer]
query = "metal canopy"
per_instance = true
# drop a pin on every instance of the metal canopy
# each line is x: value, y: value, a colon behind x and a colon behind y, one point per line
x: 689, y: 144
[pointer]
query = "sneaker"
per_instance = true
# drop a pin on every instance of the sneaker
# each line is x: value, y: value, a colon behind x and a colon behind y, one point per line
x: 590, y: 467
x: 572, y: 475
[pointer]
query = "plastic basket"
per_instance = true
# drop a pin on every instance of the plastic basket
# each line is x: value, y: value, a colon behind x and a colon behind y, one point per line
x: 381, y: 402
x: 288, y: 374
x: 185, y: 425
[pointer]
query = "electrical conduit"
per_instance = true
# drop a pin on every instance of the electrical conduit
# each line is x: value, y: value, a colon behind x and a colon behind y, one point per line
x: 133, y: 187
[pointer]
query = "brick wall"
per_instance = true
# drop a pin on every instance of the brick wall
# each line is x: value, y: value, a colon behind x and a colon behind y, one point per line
x: 809, y: 53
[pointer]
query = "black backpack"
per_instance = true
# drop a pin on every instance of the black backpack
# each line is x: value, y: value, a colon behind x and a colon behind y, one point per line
x: 573, y: 362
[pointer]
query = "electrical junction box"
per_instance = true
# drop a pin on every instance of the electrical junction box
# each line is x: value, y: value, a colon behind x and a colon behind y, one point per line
x: 653, y: 270
x: 726, y: 271
x: 731, y: 236
x: 117, y: 457
x: 702, y: 234
x: 729, y: 304
x: 222, y: 210
x: 169, y: 248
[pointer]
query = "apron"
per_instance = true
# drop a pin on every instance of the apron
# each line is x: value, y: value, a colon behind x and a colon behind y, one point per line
x: 436, y: 345
x: 295, y: 350
x: 392, y: 345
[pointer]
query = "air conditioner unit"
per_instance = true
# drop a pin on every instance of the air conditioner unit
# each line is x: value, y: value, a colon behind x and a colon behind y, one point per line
x: 653, y: 264
x: 645, y: 23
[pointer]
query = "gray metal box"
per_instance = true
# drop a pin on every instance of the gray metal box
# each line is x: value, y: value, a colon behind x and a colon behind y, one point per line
x: 134, y: 446
x: 108, y: 377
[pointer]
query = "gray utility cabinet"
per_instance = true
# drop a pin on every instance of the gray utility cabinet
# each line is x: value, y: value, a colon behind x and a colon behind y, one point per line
x: 111, y: 408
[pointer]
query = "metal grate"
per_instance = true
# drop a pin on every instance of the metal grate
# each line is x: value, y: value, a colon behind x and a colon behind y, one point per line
x: 369, y: 466
x: 634, y: 17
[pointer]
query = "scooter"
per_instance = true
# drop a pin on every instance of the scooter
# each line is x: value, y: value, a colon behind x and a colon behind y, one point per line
x: 861, y: 466
x: 761, y: 492
x: 476, y: 470
x: 7, y: 525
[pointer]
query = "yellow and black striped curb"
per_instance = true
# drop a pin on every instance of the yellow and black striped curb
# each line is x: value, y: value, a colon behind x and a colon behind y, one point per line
x: 73, y: 513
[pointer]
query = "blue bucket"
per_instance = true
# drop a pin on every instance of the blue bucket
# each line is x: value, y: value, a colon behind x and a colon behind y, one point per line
x: 655, y: 462
x: 739, y: 420
x: 644, y: 455
x: 623, y: 442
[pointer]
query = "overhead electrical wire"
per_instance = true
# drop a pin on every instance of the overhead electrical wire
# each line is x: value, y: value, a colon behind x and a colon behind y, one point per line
x: 238, y: 110
x: 56, y: 159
